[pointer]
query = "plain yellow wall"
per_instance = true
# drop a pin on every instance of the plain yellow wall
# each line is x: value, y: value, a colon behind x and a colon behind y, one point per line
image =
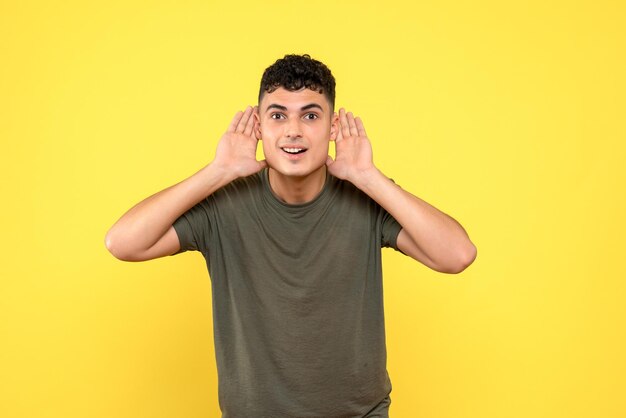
x: 509, y: 117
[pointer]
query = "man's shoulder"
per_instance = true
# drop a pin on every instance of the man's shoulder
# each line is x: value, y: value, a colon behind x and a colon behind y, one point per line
x: 253, y: 181
x: 345, y: 189
x: 240, y: 189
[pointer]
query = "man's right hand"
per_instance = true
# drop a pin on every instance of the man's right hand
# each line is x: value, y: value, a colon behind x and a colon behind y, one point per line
x: 236, y: 151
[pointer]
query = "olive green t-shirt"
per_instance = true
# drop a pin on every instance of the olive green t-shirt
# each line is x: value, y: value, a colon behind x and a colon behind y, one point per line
x: 297, y: 298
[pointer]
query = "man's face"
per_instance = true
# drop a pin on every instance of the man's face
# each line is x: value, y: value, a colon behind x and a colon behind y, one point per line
x: 296, y: 127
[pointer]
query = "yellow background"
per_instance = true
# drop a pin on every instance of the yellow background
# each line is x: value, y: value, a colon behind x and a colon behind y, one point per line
x: 509, y: 117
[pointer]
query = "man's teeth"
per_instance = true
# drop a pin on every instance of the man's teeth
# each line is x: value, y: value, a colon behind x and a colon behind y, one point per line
x: 293, y: 150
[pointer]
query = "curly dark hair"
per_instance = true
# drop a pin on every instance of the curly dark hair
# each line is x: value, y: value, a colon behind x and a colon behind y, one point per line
x: 293, y: 72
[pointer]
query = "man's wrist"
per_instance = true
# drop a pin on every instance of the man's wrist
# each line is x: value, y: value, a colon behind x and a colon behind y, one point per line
x: 368, y: 179
x: 217, y: 174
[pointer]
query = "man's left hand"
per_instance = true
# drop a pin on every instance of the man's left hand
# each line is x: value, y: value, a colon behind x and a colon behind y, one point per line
x: 353, y: 160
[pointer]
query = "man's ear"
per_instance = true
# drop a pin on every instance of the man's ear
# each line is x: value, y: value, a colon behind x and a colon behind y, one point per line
x: 257, y: 123
x: 334, y: 126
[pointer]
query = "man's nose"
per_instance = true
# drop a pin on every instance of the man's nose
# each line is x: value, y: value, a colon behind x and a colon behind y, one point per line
x: 293, y: 129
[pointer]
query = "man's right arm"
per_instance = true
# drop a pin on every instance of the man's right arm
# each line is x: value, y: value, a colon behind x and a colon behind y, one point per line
x: 145, y: 231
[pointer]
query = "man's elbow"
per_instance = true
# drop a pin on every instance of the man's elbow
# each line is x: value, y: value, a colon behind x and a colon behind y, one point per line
x: 465, y: 258
x: 112, y: 245
x: 468, y: 257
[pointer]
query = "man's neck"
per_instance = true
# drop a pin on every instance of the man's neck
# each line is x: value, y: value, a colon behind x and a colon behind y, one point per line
x: 297, y: 190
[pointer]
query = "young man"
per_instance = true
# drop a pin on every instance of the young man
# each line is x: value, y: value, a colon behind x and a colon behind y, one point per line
x: 293, y: 248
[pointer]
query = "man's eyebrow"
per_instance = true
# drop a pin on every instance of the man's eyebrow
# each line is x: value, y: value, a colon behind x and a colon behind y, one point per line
x: 311, y: 106
x: 276, y: 106
x: 284, y: 108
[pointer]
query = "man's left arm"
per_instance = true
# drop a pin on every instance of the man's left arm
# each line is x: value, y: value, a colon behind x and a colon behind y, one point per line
x: 428, y: 235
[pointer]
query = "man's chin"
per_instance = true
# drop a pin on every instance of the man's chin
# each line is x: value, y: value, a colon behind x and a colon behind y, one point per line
x: 295, y: 172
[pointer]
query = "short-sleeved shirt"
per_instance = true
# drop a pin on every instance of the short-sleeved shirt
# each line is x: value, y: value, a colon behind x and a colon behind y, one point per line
x: 297, y: 290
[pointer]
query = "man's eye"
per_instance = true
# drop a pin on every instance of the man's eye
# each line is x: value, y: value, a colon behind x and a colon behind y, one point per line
x: 310, y: 116
x: 276, y: 116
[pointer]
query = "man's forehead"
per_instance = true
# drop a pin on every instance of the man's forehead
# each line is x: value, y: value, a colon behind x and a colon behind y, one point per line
x: 293, y: 100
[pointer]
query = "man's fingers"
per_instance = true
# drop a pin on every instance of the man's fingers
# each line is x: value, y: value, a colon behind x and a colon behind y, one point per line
x: 339, y: 135
x: 245, y: 118
x: 241, y: 126
x: 351, y: 124
x: 233, y: 124
x: 249, y: 126
x: 343, y: 121
x: 359, y: 126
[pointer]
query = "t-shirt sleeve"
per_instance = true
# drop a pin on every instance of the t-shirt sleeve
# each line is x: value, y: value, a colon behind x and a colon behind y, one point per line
x: 390, y: 228
x: 193, y: 228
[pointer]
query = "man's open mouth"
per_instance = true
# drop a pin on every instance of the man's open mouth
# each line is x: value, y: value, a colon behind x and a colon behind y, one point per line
x: 293, y: 150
